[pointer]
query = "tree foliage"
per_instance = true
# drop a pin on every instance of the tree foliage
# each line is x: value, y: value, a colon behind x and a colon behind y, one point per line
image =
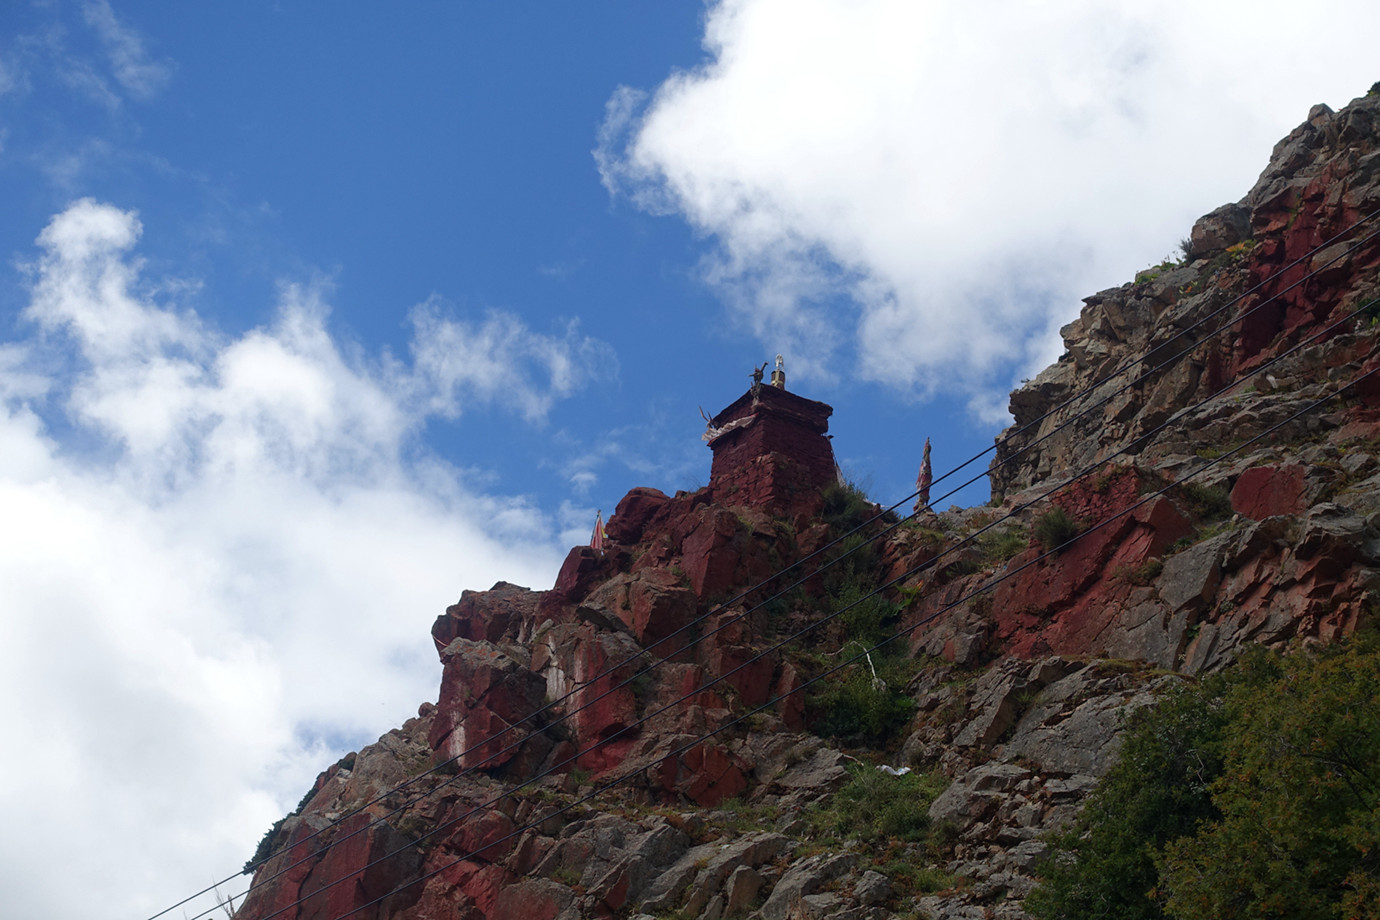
x: 1103, y: 868
x: 1254, y: 794
x: 1299, y: 796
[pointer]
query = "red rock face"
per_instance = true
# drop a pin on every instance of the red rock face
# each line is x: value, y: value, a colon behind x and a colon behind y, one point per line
x: 362, y: 864
x: 1265, y: 491
x: 706, y: 774
x: 485, y: 615
x: 532, y: 899
x: 1300, y: 560
x: 1065, y: 603
x: 485, y: 693
x: 633, y: 514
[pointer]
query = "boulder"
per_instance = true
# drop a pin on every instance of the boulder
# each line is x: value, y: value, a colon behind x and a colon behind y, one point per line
x: 634, y: 512
x: 805, y: 878
x: 1218, y: 229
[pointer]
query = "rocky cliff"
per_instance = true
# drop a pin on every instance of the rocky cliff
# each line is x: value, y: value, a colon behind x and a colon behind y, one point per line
x: 653, y: 738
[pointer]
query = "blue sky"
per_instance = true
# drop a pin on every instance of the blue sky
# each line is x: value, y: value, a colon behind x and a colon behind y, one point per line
x: 314, y: 315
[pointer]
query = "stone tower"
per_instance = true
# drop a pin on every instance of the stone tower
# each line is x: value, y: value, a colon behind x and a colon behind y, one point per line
x: 770, y: 449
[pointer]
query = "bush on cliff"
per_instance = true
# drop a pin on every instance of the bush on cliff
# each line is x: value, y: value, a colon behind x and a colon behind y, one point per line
x: 846, y: 506
x: 1054, y: 529
x: 875, y: 806
x: 1103, y: 868
x: 1254, y: 794
x: 856, y: 708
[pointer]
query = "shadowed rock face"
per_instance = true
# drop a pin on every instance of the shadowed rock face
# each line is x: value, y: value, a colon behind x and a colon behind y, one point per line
x: 1021, y: 687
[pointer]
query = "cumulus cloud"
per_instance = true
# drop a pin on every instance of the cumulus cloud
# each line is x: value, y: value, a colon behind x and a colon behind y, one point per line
x: 221, y: 556
x: 920, y: 192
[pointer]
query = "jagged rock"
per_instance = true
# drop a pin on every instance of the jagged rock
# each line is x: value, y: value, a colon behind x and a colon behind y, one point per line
x: 533, y: 899
x: 804, y: 878
x: 493, y: 616
x: 485, y: 693
x: 806, y: 779
x: 741, y: 890
x: 706, y: 774
x: 1218, y: 229
x: 1083, y: 742
x: 1190, y: 578
x: 872, y: 889
x: 1332, y: 529
x: 653, y: 603
x: 976, y: 795
x: 940, y: 908
x: 700, y: 874
x: 634, y: 512
x: 582, y: 568
x: 999, y: 697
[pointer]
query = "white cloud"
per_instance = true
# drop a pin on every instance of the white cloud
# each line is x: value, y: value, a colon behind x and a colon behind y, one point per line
x: 500, y: 361
x: 221, y: 559
x: 920, y: 192
x: 140, y: 76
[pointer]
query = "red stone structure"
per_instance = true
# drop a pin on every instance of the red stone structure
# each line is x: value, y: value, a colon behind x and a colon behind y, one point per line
x: 772, y: 447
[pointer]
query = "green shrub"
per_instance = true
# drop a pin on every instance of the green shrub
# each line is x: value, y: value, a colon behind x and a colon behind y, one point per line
x: 1102, y: 868
x: 1299, y: 797
x: 846, y: 506
x: 1252, y: 795
x: 866, y: 619
x: 1208, y: 503
x: 855, y: 568
x: 1142, y: 574
x: 1055, y: 528
x: 1001, y: 543
x: 874, y: 806
x: 269, y: 843
x: 853, y: 708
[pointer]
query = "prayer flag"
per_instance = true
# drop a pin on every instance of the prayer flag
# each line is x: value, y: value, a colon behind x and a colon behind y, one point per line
x: 597, y: 541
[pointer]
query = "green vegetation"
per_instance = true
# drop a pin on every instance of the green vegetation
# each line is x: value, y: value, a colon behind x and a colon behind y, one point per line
x: 1055, y: 528
x: 890, y: 814
x: 856, y: 708
x: 857, y: 705
x: 1146, y: 275
x: 1142, y: 574
x: 865, y: 703
x: 1208, y: 503
x: 866, y: 619
x: 1001, y: 543
x: 875, y: 805
x: 854, y: 564
x: 567, y: 875
x: 1255, y: 794
x: 846, y: 506
x: 1232, y: 255
x: 268, y: 843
